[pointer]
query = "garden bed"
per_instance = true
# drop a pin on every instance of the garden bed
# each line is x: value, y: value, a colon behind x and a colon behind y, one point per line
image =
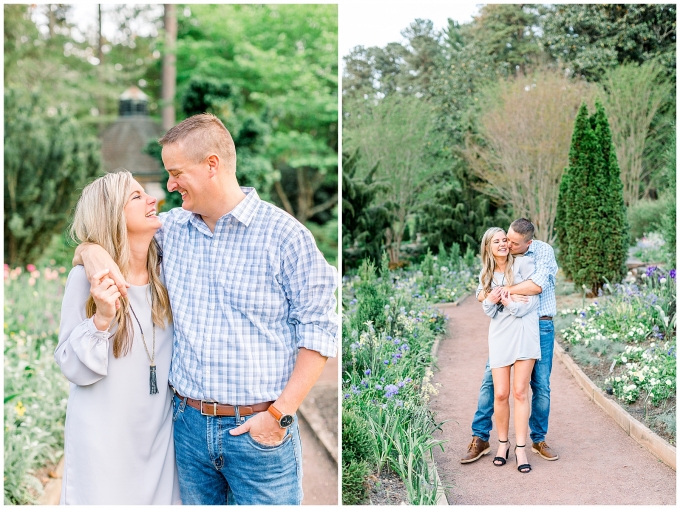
x: 35, y: 390
x: 625, y: 341
x: 390, y: 325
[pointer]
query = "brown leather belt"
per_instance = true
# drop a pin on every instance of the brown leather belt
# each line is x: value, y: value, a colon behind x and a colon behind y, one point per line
x: 219, y: 410
x: 546, y: 318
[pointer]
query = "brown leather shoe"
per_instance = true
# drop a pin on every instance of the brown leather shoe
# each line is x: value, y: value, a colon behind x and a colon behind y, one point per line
x: 476, y: 450
x: 545, y: 452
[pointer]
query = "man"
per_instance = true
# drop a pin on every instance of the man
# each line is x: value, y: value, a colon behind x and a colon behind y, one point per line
x: 521, y: 242
x: 254, y: 323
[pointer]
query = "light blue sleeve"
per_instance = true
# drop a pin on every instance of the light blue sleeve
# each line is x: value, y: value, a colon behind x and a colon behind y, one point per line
x: 309, y: 283
x: 83, y: 351
x: 546, y: 266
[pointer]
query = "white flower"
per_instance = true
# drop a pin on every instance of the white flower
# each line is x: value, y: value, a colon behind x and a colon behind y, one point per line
x: 618, y: 379
x: 614, y: 336
x: 624, y: 359
x: 668, y: 382
x: 662, y: 280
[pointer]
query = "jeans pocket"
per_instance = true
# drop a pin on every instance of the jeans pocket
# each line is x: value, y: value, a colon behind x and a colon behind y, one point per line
x: 267, y: 447
x: 178, y: 407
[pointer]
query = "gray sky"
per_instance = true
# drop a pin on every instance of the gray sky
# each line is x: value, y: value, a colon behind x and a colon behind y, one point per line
x: 377, y: 23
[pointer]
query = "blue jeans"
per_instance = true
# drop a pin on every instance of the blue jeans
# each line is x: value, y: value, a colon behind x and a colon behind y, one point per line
x: 216, y: 468
x: 540, y: 387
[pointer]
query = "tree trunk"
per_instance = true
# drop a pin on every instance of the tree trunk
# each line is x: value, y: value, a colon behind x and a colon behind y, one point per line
x: 52, y: 22
x: 169, y: 67
x: 100, y: 52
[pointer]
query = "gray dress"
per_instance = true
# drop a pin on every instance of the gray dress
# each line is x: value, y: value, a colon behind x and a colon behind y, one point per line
x: 513, y: 332
x: 119, y: 445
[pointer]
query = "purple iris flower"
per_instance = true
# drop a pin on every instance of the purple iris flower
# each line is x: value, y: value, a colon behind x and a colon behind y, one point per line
x: 391, y: 390
x: 367, y: 372
x: 672, y: 274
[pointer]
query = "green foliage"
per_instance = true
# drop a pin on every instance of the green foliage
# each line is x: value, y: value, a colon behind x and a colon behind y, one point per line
x: 357, y: 442
x: 269, y: 72
x: 595, y: 37
x: 363, y: 221
x: 48, y: 160
x: 399, y: 136
x: 326, y: 236
x: 563, y: 203
x: 354, y: 475
x: 593, y: 233
x: 372, y: 303
x: 635, y: 325
x: 668, y: 221
x: 458, y: 213
x: 646, y: 216
x: 34, y: 387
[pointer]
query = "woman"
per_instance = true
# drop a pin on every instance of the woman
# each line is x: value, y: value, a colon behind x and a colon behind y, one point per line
x: 513, y: 340
x: 116, y: 353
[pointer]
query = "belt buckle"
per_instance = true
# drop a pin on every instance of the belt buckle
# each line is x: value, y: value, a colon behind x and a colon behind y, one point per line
x: 214, y: 404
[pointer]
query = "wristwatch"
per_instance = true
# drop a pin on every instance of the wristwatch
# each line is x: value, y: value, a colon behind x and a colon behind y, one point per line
x: 284, y: 420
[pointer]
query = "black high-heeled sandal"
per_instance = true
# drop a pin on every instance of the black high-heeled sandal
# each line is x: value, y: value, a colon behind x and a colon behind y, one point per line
x: 500, y: 458
x: 525, y: 468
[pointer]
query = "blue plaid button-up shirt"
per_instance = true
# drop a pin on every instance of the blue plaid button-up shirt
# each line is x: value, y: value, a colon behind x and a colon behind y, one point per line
x: 544, y: 276
x: 244, y: 298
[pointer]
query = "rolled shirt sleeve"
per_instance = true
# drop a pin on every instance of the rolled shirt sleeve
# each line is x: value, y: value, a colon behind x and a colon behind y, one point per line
x: 545, y: 268
x: 309, y: 283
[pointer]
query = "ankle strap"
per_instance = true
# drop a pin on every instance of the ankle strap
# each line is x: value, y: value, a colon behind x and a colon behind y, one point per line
x: 503, y: 441
x: 521, y: 445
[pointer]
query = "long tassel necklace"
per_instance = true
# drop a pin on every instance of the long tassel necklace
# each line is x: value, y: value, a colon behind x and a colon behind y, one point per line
x: 153, y: 385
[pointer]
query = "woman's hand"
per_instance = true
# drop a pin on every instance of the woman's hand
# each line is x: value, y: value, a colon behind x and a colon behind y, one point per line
x: 494, y: 295
x: 105, y: 294
x: 506, y: 299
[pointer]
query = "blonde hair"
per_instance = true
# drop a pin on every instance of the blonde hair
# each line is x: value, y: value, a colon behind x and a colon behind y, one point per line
x: 489, y: 262
x: 100, y: 219
x: 202, y: 135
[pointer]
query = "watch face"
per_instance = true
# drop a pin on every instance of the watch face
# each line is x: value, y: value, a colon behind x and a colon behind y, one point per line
x: 286, y: 421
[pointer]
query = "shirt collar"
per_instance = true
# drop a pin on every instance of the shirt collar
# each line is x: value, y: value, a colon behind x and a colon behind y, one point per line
x: 244, y: 212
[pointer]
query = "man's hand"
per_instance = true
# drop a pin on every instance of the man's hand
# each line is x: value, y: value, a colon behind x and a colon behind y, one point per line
x: 263, y: 428
x: 105, y: 295
x: 519, y: 298
x: 495, y: 295
x: 505, y: 297
x: 96, y: 259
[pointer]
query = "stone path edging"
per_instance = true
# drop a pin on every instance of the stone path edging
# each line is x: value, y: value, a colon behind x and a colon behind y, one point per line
x: 441, y: 493
x: 637, y: 431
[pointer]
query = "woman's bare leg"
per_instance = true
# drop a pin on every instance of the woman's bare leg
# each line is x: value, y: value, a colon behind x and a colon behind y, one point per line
x: 501, y: 405
x: 520, y: 392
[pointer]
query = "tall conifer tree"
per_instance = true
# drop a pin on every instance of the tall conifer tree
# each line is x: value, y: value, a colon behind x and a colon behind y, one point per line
x: 591, y: 222
x: 612, y: 217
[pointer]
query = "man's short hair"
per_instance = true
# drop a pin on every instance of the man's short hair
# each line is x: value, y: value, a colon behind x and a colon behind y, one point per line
x: 524, y: 227
x: 202, y: 135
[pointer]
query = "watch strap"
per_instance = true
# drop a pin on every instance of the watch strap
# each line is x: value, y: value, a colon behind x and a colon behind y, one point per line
x: 275, y: 412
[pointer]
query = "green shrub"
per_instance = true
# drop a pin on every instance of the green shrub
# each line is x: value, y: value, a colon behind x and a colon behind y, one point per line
x: 646, y: 216
x: 357, y: 442
x: 354, y: 490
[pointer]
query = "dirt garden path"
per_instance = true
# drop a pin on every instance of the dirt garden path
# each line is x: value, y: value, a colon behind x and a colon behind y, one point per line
x: 599, y: 463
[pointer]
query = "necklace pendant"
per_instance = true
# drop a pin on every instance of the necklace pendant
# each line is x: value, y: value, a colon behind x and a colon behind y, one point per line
x: 152, y: 380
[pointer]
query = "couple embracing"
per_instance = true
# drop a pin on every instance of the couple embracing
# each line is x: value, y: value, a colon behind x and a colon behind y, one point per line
x: 190, y: 338
x: 517, y: 290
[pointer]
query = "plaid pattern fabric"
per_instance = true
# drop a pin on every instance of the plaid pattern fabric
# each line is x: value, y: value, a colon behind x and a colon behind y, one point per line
x: 244, y: 298
x: 544, y: 276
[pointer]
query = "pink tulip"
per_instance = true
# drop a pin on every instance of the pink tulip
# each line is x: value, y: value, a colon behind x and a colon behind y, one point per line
x: 30, y: 267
